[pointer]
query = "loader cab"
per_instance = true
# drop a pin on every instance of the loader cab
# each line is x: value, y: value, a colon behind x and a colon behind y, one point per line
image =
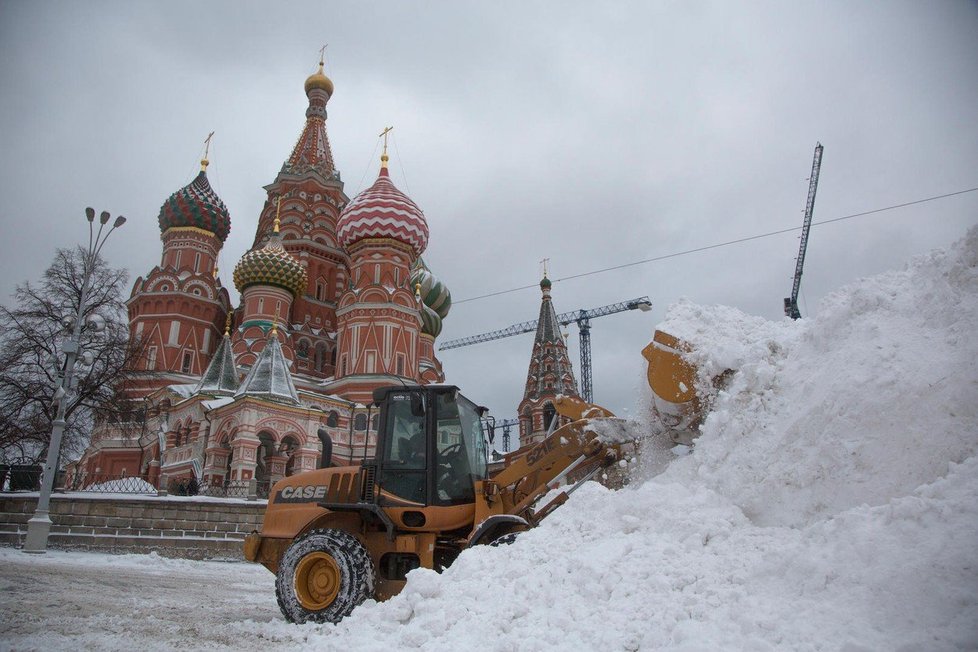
x: 431, y: 448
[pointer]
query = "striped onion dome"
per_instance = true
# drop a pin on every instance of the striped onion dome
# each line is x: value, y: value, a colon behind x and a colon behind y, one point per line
x: 430, y: 321
x: 271, y: 265
x: 434, y: 293
x: 196, y: 205
x: 383, y: 211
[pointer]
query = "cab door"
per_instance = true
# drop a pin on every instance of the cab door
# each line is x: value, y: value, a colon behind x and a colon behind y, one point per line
x: 404, y: 465
x: 459, y: 451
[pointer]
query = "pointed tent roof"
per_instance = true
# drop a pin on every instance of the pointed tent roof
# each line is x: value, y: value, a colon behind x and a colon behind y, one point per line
x: 549, y: 349
x: 312, y: 151
x: 548, y: 328
x: 221, y: 377
x: 269, y: 377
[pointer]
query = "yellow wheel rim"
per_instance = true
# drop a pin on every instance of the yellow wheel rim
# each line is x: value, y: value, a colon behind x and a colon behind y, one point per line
x: 317, y: 581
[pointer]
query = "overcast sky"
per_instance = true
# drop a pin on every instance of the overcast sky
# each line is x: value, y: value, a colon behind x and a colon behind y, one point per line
x: 592, y: 134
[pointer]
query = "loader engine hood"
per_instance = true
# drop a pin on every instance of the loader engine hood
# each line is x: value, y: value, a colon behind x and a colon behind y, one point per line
x: 335, y: 485
x: 296, y: 498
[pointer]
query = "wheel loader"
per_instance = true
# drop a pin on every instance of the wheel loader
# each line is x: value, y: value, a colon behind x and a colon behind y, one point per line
x: 337, y: 536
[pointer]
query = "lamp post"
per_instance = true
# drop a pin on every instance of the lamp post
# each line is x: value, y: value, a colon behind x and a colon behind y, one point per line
x: 39, y: 526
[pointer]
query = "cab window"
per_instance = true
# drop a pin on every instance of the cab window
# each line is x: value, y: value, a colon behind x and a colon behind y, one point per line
x: 405, y: 457
x: 460, y: 449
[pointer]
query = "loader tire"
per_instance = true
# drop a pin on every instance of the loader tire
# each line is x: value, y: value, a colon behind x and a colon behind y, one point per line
x: 504, y: 539
x: 322, y: 576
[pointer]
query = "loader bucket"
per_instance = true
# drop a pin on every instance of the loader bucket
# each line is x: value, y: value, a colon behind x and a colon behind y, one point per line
x: 672, y: 380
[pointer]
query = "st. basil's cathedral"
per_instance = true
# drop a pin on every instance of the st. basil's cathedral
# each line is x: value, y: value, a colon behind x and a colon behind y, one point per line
x: 335, y: 300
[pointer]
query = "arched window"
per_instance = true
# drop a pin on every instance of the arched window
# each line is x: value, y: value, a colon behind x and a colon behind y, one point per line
x: 320, y: 357
x: 333, y: 419
x: 549, y: 414
x: 288, y: 448
x: 263, y: 456
x: 360, y: 422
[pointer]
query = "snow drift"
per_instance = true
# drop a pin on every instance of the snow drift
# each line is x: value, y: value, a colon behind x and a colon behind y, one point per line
x: 831, y: 502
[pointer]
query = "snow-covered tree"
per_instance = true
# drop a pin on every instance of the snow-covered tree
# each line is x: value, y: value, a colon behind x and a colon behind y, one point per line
x: 32, y: 336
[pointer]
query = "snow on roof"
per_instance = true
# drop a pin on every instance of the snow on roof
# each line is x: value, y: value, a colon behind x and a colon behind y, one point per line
x: 217, y: 402
x: 183, y: 391
x: 221, y: 376
x: 270, y: 377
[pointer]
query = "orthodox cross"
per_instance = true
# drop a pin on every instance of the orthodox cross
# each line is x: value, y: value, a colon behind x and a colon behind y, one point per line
x: 322, y: 53
x: 544, y: 263
x: 207, y: 148
x: 384, y: 133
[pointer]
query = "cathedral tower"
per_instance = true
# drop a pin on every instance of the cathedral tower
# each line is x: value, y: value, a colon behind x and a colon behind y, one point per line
x: 177, y: 311
x: 550, y: 374
x: 312, y: 197
x: 379, y: 317
x: 269, y: 280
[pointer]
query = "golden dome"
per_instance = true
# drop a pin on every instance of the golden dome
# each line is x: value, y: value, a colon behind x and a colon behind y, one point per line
x: 319, y: 80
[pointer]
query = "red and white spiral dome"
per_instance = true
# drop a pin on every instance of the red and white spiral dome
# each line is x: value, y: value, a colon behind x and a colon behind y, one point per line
x: 383, y: 211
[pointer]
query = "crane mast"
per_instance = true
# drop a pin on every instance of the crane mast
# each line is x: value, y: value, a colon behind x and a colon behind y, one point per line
x: 791, y: 303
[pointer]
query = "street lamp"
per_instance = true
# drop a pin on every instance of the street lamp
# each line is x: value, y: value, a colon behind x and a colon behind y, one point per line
x: 39, y: 525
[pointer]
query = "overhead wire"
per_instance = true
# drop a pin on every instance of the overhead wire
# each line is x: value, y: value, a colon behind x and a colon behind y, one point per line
x: 370, y: 161
x: 717, y: 245
x: 400, y: 164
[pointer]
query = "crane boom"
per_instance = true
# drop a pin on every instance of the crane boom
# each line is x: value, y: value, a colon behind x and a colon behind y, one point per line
x: 642, y: 303
x: 791, y: 303
x: 583, y: 320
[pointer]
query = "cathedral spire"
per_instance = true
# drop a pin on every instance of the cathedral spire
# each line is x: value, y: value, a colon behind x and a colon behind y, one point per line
x: 548, y: 328
x: 549, y: 374
x: 221, y: 377
x: 269, y: 377
x: 311, y: 151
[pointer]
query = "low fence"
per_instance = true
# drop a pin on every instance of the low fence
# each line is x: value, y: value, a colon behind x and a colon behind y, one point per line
x: 28, y: 478
x: 172, y: 526
x: 20, y: 477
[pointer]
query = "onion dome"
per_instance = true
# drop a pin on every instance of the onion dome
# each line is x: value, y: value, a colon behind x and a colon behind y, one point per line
x: 319, y: 80
x: 430, y: 321
x: 434, y: 293
x: 383, y: 211
x: 271, y: 265
x: 196, y: 205
x: 545, y: 284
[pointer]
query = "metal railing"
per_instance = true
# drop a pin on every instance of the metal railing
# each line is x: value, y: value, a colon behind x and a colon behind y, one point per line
x: 27, y: 478
x: 247, y: 489
x: 105, y: 483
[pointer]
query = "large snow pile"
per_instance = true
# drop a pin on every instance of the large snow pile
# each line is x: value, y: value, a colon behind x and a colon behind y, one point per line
x: 831, y: 502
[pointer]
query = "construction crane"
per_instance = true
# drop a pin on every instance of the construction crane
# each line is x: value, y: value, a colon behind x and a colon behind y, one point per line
x: 506, y: 425
x: 581, y: 317
x: 791, y: 303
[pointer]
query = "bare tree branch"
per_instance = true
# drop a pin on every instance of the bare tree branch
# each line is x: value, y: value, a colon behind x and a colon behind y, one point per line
x: 31, y: 357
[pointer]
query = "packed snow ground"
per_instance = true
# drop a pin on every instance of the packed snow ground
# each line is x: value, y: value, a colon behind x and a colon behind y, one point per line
x: 831, y: 504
